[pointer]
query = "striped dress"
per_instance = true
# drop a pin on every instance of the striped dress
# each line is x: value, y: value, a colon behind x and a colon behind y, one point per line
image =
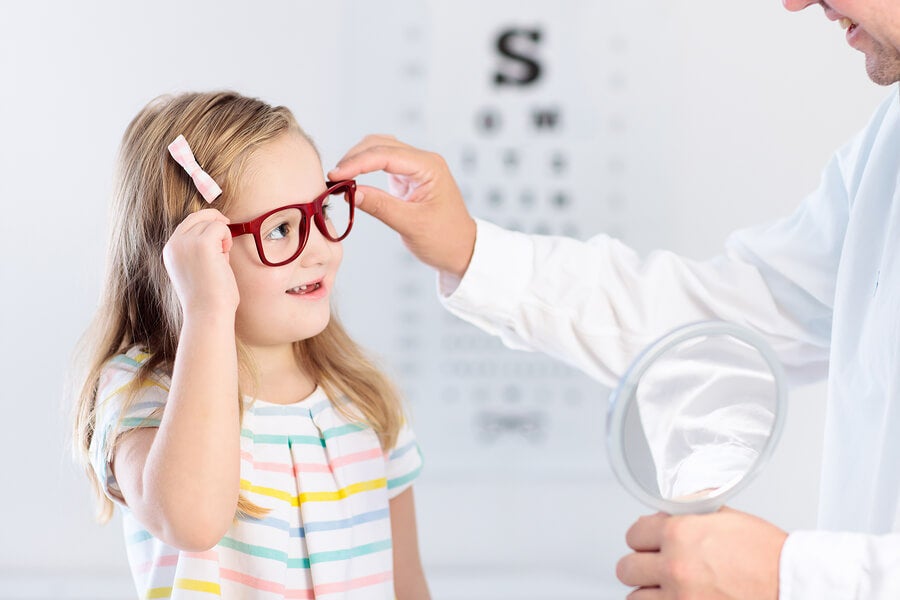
x: 326, y: 481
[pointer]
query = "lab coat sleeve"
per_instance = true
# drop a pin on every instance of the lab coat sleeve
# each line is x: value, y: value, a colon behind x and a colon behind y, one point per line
x: 840, y: 566
x: 596, y: 304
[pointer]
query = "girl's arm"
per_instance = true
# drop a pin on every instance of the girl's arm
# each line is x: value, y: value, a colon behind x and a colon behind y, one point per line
x: 409, y: 578
x: 182, y: 480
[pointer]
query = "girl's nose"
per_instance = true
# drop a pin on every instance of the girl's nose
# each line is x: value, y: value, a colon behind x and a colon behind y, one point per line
x: 795, y: 5
x: 317, y: 250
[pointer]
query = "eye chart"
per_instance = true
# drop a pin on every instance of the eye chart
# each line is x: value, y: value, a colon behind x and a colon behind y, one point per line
x: 542, y: 138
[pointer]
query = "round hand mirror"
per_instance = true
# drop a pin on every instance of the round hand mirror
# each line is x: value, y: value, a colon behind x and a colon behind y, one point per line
x: 695, y: 416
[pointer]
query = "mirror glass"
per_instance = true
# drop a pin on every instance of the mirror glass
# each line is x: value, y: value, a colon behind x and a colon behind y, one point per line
x: 695, y: 416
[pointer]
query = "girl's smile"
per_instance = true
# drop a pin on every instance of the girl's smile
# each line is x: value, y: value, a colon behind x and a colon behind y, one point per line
x: 314, y: 290
x: 283, y: 171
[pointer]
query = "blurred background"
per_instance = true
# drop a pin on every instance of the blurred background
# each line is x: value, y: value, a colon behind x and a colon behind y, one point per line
x: 667, y: 123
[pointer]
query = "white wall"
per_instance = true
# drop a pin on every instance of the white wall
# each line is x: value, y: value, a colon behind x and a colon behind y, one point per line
x: 733, y: 107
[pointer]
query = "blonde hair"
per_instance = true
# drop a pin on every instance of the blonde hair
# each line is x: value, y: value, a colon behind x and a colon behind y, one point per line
x: 139, y: 306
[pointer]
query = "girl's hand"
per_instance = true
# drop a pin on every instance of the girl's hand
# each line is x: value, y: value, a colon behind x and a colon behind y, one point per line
x: 196, y: 257
x: 422, y: 204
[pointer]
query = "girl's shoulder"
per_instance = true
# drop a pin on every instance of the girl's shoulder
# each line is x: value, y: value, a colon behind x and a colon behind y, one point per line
x: 132, y: 358
x: 127, y: 365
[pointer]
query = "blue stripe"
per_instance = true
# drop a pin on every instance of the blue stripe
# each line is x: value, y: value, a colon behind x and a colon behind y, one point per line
x: 138, y: 536
x: 398, y: 452
x: 369, y: 517
x: 300, y: 532
x: 314, y: 410
x: 279, y: 524
x: 280, y: 411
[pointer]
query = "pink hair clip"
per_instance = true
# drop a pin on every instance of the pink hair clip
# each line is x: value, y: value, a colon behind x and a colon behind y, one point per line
x: 182, y: 154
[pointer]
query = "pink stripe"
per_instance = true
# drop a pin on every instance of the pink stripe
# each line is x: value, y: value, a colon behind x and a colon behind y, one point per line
x: 285, y: 468
x: 353, y: 584
x: 170, y: 560
x: 311, y: 468
x: 337, y: 463
x: 207, y: 555
x: 262, y: 584
x: 357, y: 457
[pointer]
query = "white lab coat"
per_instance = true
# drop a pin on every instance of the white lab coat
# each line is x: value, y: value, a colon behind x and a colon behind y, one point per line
x: 823, y: 286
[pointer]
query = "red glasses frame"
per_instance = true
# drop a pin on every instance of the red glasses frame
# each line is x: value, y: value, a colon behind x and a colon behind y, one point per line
x: 311, y: 211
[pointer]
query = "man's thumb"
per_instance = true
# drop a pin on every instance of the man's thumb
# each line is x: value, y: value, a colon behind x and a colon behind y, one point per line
x: 391, y: 211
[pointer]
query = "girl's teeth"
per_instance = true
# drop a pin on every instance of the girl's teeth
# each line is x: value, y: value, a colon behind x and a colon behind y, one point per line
x: 845, y: 23
x: 305, y: 288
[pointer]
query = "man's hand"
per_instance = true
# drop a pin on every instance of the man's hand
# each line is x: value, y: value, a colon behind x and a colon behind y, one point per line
x: 724, y: 555
x: 423, y: 203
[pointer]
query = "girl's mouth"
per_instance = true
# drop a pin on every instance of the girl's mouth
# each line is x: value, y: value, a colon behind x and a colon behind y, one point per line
x: 313, y: 289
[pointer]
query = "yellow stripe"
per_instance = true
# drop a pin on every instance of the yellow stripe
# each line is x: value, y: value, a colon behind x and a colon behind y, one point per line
x: 165, y: 592
x: 144, y: 384
x: 356, y: 488
x: 198, y: 586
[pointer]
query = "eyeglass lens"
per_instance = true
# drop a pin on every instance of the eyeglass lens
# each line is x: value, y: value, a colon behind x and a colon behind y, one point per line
x: 283, y: 232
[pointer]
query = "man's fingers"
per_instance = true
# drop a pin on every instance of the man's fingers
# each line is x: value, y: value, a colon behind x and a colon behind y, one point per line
x: 648, y: 593
x: 397, y: 160
x: 378, y: 139
x: 647, y: 532
x: 391, y: 211
x: 641, y: 569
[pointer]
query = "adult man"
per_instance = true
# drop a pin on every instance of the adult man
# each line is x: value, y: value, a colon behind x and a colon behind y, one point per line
x: 822, y: 285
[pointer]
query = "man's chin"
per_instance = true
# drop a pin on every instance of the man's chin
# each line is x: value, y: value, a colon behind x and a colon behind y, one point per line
x: 883, y: 71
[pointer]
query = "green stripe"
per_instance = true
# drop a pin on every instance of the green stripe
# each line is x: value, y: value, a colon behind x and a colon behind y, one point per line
x: 265, y: 438
x: 298, y: 563
x: 126, y: 359
x: 392, y: 483
x: 252, y: 550
x: 320, y: 557
x: 342, y: 430
x: 140, y: 422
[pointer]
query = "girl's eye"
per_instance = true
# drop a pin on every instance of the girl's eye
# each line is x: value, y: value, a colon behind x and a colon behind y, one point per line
x: 327, y: 208
x: 279, y: 232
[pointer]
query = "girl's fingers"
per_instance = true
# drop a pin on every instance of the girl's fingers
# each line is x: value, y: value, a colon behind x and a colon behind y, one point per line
x: 204, y: 215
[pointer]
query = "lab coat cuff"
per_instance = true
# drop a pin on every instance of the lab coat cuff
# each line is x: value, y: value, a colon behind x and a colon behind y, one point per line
x: 820, y: 564
x: 493, y: 282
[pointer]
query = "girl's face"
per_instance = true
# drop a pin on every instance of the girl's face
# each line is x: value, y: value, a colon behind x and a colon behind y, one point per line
x: 281, y: 305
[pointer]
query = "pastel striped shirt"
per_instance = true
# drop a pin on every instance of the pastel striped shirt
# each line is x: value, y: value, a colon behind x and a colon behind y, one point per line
x: 326, y: 481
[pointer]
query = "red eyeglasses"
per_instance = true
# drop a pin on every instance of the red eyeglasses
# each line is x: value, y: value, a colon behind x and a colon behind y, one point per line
x: 281, y: 234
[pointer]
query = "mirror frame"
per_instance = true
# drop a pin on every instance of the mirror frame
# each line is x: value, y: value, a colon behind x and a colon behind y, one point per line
x: 623, y: 395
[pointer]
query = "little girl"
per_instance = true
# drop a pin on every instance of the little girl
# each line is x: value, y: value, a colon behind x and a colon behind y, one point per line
x: 254, y: 450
